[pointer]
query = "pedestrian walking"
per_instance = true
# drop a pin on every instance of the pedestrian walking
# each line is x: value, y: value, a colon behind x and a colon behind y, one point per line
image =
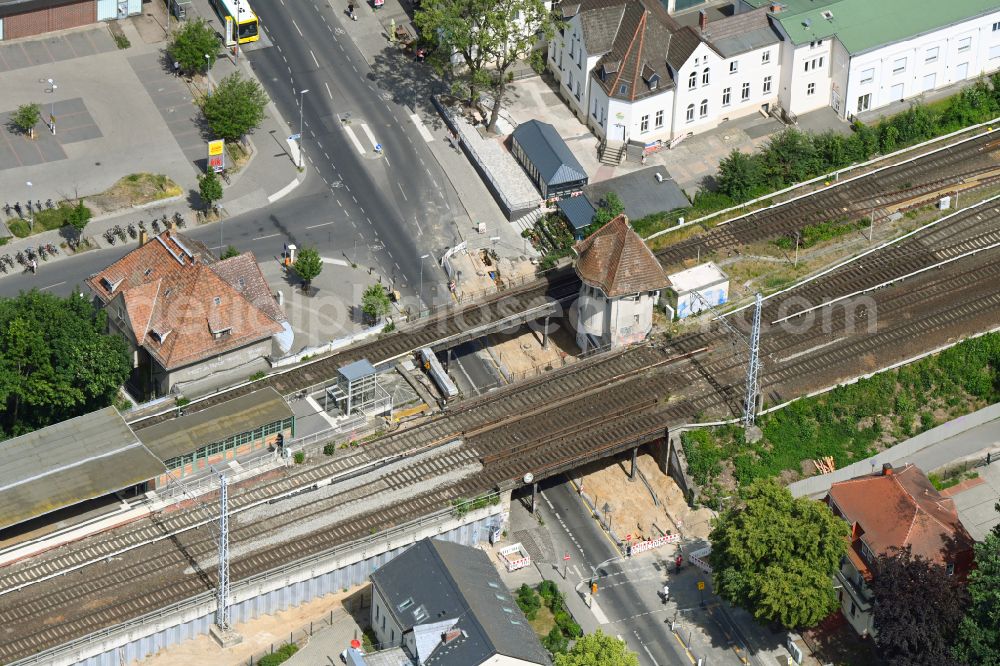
x: 678, y: 562
x: 350, y: 11
x: 34, y: 266
x: 666, y: 593
x: 177, y: 68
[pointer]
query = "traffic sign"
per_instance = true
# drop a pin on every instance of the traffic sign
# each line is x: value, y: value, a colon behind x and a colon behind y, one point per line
x: 701, y: 585
x: 217, y: 155
x: 378, y: 147
x: 295, y: 137
x: 566, y: 556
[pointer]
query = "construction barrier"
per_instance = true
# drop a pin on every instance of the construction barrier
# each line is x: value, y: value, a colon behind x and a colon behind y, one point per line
x: 643, y: 546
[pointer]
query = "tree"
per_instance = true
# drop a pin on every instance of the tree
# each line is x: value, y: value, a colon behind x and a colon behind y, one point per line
x: 308, y: 265
x: 210, y: 188
x: 775, y: 556
x: 598, y: 649
x: 490, y: 36
x: 26, y: 117
x: 78, y: 218
x: 230, y: 252
x: 56, y: 361
x: 739, y: 176
x: 375, y: 302
x: 555, y: 642
x: 191, y: 44
x: 609, y: 208
x: 236, y: 108
x: 917, y: 610
x: 979, y: 632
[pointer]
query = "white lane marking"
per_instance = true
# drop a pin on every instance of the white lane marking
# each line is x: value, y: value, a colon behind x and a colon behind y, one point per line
x: 424, y: 132
x: 368, y: 133
x: 316, y: 226
x: 335, y: 262
x: 328, y: 89
x: 296, y: 26
x: 386, y: 161
x: 405, y: 198
x: 53, y: 285
x: 354, y: 140
x: 419, y: 230
x: 268, y: 236
x: 314, y: 58
x: 598, y: 613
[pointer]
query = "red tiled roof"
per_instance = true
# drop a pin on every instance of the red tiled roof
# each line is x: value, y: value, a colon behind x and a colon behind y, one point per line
x: 615, y: 259
x: 902, y: 509
x: 183, y: 306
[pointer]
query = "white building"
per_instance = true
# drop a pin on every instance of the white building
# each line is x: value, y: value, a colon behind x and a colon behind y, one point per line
x: 860, y: 55
x: 632, y: 73
x: 620, y: 283
x: 696, y: 286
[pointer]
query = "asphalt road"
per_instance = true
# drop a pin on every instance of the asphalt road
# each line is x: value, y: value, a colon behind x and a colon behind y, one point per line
x: 471, y: 373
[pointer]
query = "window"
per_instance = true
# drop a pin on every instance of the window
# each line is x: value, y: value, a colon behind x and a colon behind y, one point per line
x: 692, y: 80
x: 726, y: 93
x: 659, y: 119
x: 864, y: 102
x: 811, y: 89
x: 689, y: 115
x: 867, y: 76
x: 734, y: 66
x: 703, y: 109
x: 578, y: 91
x: 704, y: 77
x: 767, y: 85
x: 644, y: 123
x: 818, y: 42
x: 623, y: 89
x: 931, y: 55
x: 745, y: 92
x: 854, y: 609
x: 950, y: 568
x: 996, y: 27
x: 813, y: 64
x: 765, y: 57
x: 899, y: 66
x: 964, y: 44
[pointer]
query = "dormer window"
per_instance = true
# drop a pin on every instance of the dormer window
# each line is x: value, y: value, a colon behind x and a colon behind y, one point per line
x: 608, y: 68
x: 651, y: 78
x: 623, y: 89
x: 109, y: 285
x: 159, y: 336
x: 222, y: 332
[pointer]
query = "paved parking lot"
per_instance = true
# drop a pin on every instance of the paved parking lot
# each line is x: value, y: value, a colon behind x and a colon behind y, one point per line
x: 54, y: 48
x: 976, y: 504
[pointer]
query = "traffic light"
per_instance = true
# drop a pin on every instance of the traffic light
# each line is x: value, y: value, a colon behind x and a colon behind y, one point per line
x: 593, y: 587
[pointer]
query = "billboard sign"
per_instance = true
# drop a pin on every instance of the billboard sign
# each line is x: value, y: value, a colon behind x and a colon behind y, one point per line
x: 217, y: 155
x: 230, y: 40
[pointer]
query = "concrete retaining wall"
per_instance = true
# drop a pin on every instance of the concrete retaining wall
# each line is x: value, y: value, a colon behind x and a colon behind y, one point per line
x: 269, y: 593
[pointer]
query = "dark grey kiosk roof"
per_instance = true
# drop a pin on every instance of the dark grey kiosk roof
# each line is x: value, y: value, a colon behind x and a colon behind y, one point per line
x: 460, y: 583
x: 189, y: 433
x: 352, y: 372
x: 578, y: 210
x: 641, y: 193
x: 68, y: 463
x: 548, y: 152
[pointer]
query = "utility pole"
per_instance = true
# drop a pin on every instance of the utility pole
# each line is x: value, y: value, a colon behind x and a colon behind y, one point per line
x: 222, y: 593
x: 753, y: 368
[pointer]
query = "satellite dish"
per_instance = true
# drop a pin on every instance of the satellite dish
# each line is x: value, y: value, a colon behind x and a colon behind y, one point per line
x: 529, y: 477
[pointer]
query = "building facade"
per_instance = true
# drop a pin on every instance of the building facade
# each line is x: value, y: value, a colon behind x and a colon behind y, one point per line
x: 26, y: 18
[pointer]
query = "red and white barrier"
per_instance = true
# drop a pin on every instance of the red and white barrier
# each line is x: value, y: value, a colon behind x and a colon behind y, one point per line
x: 514, y: 557
x: 643, y: 546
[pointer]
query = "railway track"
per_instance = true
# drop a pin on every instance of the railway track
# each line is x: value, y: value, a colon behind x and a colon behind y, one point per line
x: 974, y: 160
x: 544, y: 425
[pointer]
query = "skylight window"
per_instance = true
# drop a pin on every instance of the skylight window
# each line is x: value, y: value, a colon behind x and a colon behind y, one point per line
x: 406, y: 604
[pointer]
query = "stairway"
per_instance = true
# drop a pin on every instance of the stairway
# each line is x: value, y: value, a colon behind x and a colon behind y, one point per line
x: 612, y: 152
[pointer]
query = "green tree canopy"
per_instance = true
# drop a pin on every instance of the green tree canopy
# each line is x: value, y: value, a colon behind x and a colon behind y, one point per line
x: 375, y: 302
x: 191, y: 44
x: 740, y: 175
x: 598, y: 649
x: 209, y: 188
x: 308, y: 264
x: 490, y: 36
x: 609, y: 208
x: 78, y: 217
x: 56, y: 361
x: 979, y: 633
x: 26, y: 117
x: 230, y: 252
x: 917, y: 610
x: 775, y: 555
x: 236, y: 108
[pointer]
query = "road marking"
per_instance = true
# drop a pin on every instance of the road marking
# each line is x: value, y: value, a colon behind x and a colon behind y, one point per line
x: 335, y: 262
x: 328, y: 89
x: 295, y: 24
x: 368, y: 133
x: 314, y: 58
x: 648, y: 653
x: 316, y: 226
x: 340, y: 45
x: 354, y: 140
x: 402, y: 192
x: 267, y: 236
x: 354, y: 68
x: 319, y: 410
x: 386, y: 161
x: 421, y: 232
x: 598, y: 613
x: 53, y: 285
x: 424, y: 132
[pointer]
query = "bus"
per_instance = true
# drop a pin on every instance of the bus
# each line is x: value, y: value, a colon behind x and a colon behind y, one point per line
x: 247, y: 20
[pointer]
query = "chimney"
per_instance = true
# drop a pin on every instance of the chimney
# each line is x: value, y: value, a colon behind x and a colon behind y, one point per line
x: 143, y: 237
x: 702, y: 20
x: 775, y: 7
x: 887, y: 469
x: 449, y: 636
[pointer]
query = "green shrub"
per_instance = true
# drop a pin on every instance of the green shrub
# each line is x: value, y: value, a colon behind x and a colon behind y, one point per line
x: 528, y: 601
x: 299, y: 457
x: 555, y: 642
x: 280, y: 656
x: 329, y: 449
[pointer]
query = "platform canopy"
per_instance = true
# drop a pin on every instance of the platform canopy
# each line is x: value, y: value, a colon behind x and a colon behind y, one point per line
x: 70, y: 462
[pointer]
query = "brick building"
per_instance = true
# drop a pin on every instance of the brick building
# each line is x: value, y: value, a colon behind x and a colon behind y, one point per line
x: 25, y: 18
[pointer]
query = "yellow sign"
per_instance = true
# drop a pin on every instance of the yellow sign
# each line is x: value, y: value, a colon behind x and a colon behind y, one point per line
x: 217, y: 155
x: 216, y: 147
x: 701, y: 585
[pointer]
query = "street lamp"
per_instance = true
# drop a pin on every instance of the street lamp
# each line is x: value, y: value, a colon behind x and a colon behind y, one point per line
x: 208, y: 66
x: 52, y: 104
x: 301, y: 101
x: 421, y: 292
x: 31, y: 211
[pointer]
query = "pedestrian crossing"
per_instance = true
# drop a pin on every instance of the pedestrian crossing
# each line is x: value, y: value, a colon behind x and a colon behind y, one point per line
x: 364, y: 140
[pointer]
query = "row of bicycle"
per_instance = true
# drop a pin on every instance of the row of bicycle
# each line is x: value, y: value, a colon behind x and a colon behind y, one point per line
x: 29, y: 257
x: 27, y: 208
x: 131, y: 230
